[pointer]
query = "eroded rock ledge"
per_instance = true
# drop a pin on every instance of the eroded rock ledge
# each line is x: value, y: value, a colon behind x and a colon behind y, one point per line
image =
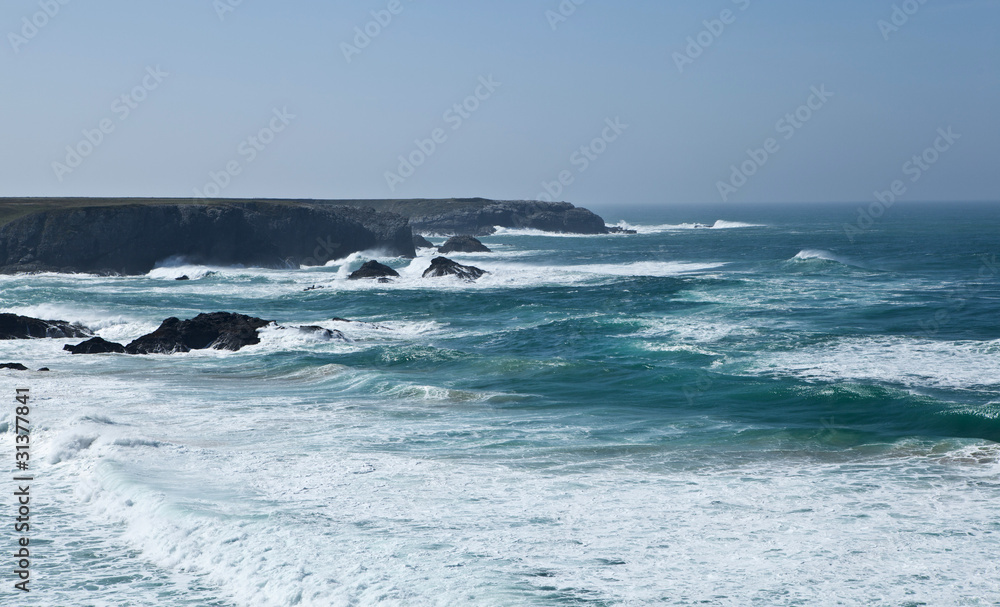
x: 133, y: 238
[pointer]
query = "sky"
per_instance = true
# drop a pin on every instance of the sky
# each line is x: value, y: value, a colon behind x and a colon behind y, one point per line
x: 595, y: 102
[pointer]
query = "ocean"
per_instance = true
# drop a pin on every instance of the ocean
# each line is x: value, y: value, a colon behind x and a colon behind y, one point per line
x: 739, y: 405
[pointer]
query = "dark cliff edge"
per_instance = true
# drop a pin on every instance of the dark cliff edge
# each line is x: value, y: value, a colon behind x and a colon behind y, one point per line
x: 87, y: 236
x: 480, y: 216
x: 130, y: 236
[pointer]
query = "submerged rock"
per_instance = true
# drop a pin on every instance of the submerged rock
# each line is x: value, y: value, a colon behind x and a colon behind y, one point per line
x: 13, y: 326
x: 97, y: 345
x: 370, y: 325
x: 14, y: 366
x: 419, y: 242
x: 218, y: 330
x: 463, y: 244
x: 621, y: 230
x: 373, y: 269
x: 322, y: 332
x: 442, y: 266
x: 185, y: 277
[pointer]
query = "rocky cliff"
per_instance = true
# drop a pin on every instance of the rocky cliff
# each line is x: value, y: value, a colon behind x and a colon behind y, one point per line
x: 479, y: 216
x: 122, y: 238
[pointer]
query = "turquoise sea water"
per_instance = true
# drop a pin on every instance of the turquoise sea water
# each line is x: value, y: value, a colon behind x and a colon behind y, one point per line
x: 736, y: 406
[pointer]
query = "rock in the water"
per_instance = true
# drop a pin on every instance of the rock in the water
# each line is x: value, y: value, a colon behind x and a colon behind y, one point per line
x: 13, y: 326
x: 369, y: 325
x: 322, y: 333
x: 185, y: 277
x: 442, y: 266
x: 420, y: 242
x: 373, y: 269
x: 463, y: 244
x: 620, y: 230
x: 218, y: 330
x: 44, y: 369
x: 96, y: 345
x: 14, y: 366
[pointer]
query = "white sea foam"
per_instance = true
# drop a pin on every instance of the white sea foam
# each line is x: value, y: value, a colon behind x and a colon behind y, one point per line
x: 729, y: 225
x: 912, y: 362
x: 807, y: 255
x: 95, y: 319
x: 646, y: 268
x: 502, y: 231
x: 380, y: 527
x: 507, y: 274
x: 696, y: 330
x: 193, y: 272
x: 720, y: 224
x: 274, y: 497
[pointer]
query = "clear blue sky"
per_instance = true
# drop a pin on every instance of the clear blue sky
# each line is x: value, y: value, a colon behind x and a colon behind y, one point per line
x: 557, y: 87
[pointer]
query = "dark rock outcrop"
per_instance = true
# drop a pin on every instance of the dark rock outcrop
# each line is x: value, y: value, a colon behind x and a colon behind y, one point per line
x: 107, y: 237
x: 185, y: 277
x: 420, y: 242
x: 13, y: 366
x: 442, y: 266
x: 463, y: 244
x: 218, y: 330
x: 373, y: 269
x: 13, y: 326
x: 480, y: 216
x: 620, y: 230
x: 97, y: 345
x: 322, y: 333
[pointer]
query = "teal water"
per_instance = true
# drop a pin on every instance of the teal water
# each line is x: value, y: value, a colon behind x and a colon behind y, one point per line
x: 770, y: 411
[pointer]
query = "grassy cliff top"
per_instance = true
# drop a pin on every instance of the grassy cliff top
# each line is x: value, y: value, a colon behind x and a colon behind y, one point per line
x: 13, y: 208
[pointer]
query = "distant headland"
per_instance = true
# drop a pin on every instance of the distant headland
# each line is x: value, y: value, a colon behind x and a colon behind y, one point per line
x: 131, y: 235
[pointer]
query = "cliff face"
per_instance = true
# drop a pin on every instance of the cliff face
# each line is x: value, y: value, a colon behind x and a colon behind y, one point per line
x: 132, y: 238
x: 479, y: 216
x: 481, y: 220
